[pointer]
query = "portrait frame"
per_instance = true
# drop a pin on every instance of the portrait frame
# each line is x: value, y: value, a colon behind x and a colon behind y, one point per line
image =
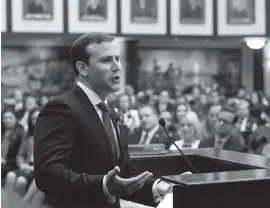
x: 3, y: 15
x: 193, y: 25
x: 228, y: 27
x: 78, y: 25
x: 53, y: 24
x: 153, y: 22
x: 43, y: 11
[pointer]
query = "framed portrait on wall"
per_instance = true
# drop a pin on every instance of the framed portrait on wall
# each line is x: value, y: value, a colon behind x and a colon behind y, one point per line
x: 92, y: 16
x: 192, y: 11
x: 37, y: 16
x: 241, y: 17
x: 38, y: 9
x: 143, y: 11
x: 194, y: 17
x: 144, y: 17
x: 3, y: 15
x: 240, y: 12
x: 93, y: 10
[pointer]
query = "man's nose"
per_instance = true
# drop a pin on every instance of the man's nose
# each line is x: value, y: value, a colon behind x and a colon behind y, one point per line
x: 221, y: 122
x: 116, y: 66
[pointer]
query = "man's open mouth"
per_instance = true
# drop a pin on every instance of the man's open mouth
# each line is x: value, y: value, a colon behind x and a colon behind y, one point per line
x: 116, y: 78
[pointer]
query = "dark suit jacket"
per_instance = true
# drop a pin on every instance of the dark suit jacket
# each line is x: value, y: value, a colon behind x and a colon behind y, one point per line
x: 72, y: 153
x: 233, y: 143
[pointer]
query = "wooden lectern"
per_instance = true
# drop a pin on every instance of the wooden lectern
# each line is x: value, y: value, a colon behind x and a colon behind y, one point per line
x: 226, y: 179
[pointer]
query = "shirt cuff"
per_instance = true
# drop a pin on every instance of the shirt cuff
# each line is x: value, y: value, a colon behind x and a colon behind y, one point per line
x: 156, y: 195
x: 110, y: 199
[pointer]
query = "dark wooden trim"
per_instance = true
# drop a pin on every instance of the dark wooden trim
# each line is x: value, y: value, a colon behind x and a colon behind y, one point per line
x: 9, y: 15
x: 65, y: 15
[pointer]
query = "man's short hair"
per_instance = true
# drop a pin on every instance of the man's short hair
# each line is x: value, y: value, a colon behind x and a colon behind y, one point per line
x: 230, y: 110
x: 77, y: 51
x: 148, y: 106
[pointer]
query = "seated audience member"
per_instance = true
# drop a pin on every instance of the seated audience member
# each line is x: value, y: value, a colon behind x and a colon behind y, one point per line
x: 43, y: 100
x: 225, y: 137
x: 163, y: 102
x: 149, y: 132
x: 170, y: 125
x: 25, y: 155
x: 189, y: 132
x: 241, y: 92
x: 208, y: 125
x: 16, y: 102
x: 131, y: 115
x: 12, y: 135
x: 214, y: 98
x: 30, y: 104
x: 181, y: 111
x: 202, y: 107
x: 246, y: 124
x: 129, y: 90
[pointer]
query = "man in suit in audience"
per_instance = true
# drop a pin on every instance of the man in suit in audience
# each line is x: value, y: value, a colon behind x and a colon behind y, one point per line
x: 246, y: 124
x: 225, y: 137
x: 80, y: 148
x: 149, y: 132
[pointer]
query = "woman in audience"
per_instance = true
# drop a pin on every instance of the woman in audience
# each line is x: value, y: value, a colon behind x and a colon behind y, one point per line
x: 189, y: 132
x: 25, y: 155
x: 181, y: 111
x: 131, y: 115
x: 12, y: 136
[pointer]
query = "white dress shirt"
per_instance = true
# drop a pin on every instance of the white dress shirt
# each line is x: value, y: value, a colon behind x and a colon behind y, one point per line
x: 150, y: 136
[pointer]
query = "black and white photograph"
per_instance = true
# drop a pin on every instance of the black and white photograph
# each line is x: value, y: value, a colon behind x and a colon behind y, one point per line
x: 240, y: 11
x: 93, y: 10
x: 135, y: 104
x: 192, y: 11
x: 144, y: 11
x: 38, y: 9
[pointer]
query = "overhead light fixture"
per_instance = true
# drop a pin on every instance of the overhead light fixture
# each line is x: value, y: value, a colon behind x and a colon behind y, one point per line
x: 255, y: 42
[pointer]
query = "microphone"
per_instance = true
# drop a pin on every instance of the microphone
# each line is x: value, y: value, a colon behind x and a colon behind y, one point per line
x: 162, y: 124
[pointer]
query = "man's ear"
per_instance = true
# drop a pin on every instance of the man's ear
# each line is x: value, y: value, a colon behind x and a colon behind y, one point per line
x: 82, y: 68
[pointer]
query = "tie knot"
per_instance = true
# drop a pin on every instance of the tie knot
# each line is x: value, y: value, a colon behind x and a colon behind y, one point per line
x: 103, y: 106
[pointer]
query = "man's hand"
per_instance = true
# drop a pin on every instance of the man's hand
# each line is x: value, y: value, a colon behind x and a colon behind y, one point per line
x: 118, y: 186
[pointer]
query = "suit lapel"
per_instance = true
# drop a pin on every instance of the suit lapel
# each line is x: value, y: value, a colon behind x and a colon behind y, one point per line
x: 93, y: 115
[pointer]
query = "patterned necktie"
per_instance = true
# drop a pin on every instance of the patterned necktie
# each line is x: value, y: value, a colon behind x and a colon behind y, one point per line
x: 109, y: 127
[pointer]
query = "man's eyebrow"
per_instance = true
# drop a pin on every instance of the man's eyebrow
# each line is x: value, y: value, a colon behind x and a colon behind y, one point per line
x: 109, y: 56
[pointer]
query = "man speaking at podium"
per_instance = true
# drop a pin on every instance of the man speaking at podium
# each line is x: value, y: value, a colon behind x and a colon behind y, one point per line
x: 80, y: 151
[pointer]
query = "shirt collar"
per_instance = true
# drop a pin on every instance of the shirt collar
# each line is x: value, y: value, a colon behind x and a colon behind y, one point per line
x: 224, y: 140
x: 92, y: 96
x: 152, y: 132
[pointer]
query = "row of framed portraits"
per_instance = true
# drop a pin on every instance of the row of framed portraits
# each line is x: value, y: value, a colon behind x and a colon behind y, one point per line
x: 149, y: 17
